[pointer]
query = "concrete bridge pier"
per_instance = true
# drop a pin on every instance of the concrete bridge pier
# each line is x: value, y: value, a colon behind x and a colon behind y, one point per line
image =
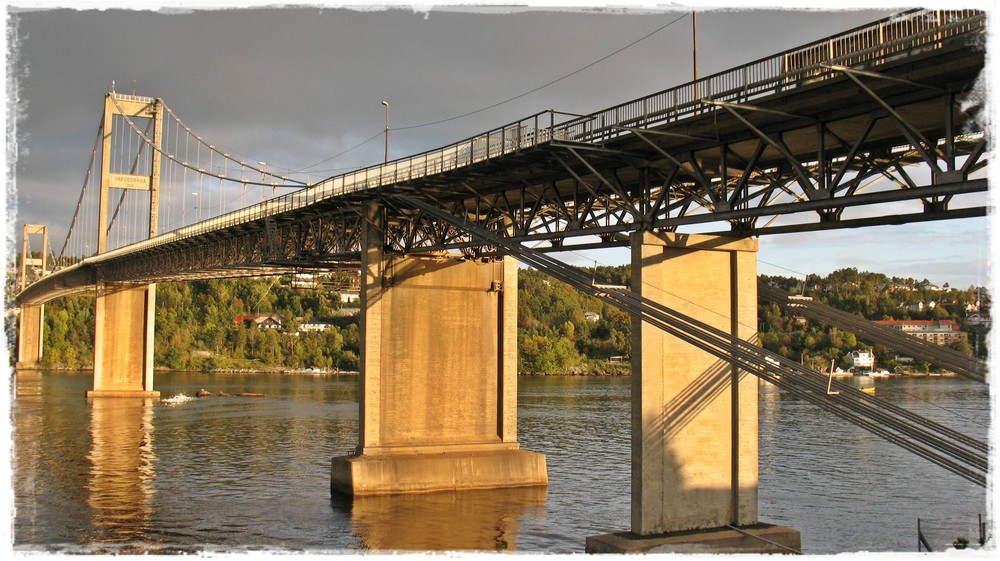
x: 123, y: 340
x: 31, y: 317
x: 438, y: 388
x: 694, y: 417
x: 30, y: 329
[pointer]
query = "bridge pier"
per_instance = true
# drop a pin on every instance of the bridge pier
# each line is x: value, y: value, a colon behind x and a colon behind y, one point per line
x: 31, y: 317
x: 30, y: 330
x: 123, y: 340
x: 694, y: 417
x: 438, y: 389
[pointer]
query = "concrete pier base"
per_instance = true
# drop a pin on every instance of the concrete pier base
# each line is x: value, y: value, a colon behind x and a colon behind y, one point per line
x: 30, y: 327
x: 445, y: 471
x: 123, y: 340
x: 757, y: 538
x: 694, y: 416
x: 438, y: 385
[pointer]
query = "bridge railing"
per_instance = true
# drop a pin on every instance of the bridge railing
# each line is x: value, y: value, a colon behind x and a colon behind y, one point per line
x: 863, y: 46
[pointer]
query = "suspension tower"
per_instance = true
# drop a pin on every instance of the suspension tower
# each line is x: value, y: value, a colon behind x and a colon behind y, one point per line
x: 124, y: 312
x: 31, y: 316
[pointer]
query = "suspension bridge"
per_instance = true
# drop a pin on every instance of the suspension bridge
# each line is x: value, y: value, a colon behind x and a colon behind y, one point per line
x: 881, y: 118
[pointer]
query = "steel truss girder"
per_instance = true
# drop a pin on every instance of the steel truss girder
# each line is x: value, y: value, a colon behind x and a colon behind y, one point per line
x: 745, y: 176
x: 313, y: 242
x: 822, y: 168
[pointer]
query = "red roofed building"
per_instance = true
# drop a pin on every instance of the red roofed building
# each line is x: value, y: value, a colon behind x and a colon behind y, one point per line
x: 941, y: 331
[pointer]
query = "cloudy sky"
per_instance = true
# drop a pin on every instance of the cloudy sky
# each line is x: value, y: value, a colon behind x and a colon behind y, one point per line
x: 297, y: 86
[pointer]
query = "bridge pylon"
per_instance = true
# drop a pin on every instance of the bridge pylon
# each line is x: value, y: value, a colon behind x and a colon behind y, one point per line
x: 438, y: 391
x: 694, y: 416
x: 124, y: 312
x: 31, y: 317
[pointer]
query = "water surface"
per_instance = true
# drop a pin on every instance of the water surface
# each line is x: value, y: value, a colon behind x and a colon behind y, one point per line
x: 232, y: 474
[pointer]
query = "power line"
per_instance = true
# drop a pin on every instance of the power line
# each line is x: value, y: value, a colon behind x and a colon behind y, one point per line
x: 508, y: 100
x: 356, y: 146
x: 557, y: 80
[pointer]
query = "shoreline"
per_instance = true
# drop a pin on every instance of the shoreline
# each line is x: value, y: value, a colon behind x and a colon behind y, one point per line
x: 576, y: 372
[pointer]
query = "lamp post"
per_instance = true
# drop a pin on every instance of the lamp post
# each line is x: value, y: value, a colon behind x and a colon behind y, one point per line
x: 386, y: 103
x: 694, y: 43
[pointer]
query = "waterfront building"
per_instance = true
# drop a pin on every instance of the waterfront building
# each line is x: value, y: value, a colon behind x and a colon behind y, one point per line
x: 259, y: 321
x: 980, y: 319
x: 937, y: 331
x: 860, y: 360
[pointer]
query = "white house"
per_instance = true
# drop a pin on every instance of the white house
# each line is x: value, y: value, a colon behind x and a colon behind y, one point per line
x: 313, y: 326
x: 864, y: 360
x: 979, y: 319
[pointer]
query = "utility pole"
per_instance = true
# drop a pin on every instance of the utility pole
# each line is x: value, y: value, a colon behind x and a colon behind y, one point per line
x: 386, y: 103
x: 694, y: 49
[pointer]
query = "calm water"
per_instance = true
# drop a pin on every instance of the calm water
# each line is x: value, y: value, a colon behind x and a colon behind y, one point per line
x: 244, y: 474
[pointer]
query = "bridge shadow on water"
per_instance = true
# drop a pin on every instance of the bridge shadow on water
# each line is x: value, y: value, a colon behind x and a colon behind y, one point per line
x: 481, y: 520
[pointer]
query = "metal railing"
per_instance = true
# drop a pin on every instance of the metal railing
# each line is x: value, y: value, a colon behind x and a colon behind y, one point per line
x: 867, y: 45
x: 863, y: 46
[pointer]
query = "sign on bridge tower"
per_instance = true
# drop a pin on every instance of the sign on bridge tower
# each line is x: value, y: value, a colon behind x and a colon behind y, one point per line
x: 124, y: 312
x: 128, y: 162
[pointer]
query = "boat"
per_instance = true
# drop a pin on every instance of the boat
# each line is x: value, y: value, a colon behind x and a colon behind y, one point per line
x: 869, y: 390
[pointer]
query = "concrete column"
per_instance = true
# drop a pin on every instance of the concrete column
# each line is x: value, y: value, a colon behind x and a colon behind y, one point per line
x: 694, y: 432
x: 123, y: 340
x: 30, y: 330
x: 694, y: 417
x: 438, y: 393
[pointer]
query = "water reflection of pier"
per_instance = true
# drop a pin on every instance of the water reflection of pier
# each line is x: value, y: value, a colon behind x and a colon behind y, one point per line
x: 120, y: 483
x: 485, y: 520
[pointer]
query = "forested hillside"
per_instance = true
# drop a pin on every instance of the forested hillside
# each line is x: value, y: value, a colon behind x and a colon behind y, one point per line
x: 873, y: 296
x: 203, y: 324
x: 198, y: 327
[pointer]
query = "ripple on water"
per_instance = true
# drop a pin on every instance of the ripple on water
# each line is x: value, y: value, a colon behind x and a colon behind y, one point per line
x: 243, y: 474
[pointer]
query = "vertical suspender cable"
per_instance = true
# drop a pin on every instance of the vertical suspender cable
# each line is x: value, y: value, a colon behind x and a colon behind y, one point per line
x: 83, y: 189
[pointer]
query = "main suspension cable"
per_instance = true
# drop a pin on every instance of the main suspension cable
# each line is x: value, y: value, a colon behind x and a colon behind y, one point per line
x: 174, y: 159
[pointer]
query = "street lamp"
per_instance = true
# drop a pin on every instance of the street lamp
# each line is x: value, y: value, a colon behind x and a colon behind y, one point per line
x: 386, y: 103
x: 694, y: 45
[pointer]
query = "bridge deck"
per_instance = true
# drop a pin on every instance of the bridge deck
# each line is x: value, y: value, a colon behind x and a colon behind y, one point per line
x: 813, y: 125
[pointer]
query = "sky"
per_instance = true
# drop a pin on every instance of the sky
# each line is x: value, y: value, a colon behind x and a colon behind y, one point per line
x: 295, y: 86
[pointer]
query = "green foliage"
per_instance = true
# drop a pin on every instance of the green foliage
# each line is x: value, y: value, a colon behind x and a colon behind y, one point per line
x: 873, y: 296
x: 555, y: 335
x: 196, y: 328
x: 558, y: 331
